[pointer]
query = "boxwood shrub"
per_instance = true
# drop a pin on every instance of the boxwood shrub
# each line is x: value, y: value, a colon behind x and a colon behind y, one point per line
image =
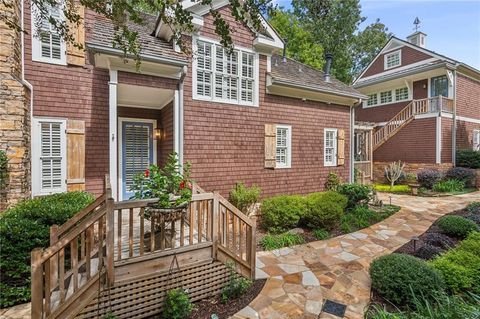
x: 324, y: 210
x: 398, y: 278
x: 468, y: 158
x: 356, y: 193
x: 456, y: 226
x: 25, y: 227
x: 281, y: 213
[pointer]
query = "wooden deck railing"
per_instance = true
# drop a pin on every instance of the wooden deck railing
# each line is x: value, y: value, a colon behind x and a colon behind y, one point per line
x: 108, y: 236
x: 407, y: 114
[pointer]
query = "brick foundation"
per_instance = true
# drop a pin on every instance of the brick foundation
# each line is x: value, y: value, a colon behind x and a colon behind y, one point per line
x: 14, y: 112
x: 379, y: 171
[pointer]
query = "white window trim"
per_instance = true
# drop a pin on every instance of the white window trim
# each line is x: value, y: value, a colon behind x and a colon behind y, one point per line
x: 385, y: 58
x: 36, y: 154
x: 37, y: 44
x: 476, y: 146
x: 289, y: 146
x: 256, y: 77
x: 394, y: 97
x: 335, y: 147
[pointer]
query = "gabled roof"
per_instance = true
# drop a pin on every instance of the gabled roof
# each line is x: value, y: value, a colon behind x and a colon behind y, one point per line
x: 303, y: 76
x: 102, y: 35
x: 441, y: 59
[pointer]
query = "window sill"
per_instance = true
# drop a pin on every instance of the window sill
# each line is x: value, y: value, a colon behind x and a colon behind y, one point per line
x: 204, y: 99
x: 50, y: 61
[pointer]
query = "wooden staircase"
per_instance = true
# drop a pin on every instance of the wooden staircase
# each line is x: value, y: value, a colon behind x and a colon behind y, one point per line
x: 102, y: 260
x: 407, y: 114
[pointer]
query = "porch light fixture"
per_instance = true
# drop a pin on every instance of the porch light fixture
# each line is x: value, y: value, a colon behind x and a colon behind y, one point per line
x: 158, y: 133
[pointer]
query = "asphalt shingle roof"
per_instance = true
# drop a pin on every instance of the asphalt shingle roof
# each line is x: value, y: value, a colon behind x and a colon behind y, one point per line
x: 103, y: 33
x: 306, y: 76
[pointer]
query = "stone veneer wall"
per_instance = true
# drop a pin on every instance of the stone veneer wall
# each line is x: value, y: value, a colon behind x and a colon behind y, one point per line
x: 14, y: 111
x: 379, y: 168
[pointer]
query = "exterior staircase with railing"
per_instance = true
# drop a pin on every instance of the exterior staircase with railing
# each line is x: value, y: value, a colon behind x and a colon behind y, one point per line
x: 407, y: 114
x: 102, y: 260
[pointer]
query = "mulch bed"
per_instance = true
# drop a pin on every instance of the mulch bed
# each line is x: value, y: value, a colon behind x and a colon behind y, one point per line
x: 206, y: 308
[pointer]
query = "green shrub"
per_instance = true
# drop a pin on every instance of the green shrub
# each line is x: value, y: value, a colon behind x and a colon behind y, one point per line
x: 333, y: 181
x: 456, y: 226
x: 3, y: 169
x: 471, y: 243
x: 457, y: 277
x: 357, y: 218
x: 448, y: 186
x: 428, y: 177
x: 473, y: 208
x: 356, y: 193
x: 324, y: 210
x: 236, y: 285
x: 321, y: 234
x: 177, y: 305
x: 463, y: 174
x: 25, y: 227
x: 244, y: 197
x: 468, y: 158
x: 276, y: 241
x: 401, y: 188
x: 281, y: 213
x: 398, y: 278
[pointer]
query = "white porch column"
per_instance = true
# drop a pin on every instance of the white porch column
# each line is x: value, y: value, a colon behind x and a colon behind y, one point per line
x: 113, y: 147
x: 438, y: 140
x: 177, y: 127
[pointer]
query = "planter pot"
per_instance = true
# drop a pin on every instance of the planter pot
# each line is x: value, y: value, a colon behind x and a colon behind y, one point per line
x: 414, y: 188
x: 164, y: 225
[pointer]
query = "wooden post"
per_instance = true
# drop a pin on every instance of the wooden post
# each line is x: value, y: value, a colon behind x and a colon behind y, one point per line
x: 214, y: 228
x: 37, y: 283
x: 54, y: 259
x: 110, y: 241
x: 253, y: 251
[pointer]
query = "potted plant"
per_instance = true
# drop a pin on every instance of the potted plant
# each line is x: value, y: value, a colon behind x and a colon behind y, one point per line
x: 411, y: 180
x: 173, y: 189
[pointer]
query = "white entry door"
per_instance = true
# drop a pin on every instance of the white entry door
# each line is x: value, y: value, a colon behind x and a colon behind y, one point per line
x: 138, y: 152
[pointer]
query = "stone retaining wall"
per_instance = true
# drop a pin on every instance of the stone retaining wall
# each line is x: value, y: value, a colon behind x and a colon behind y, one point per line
x: 379, y: 168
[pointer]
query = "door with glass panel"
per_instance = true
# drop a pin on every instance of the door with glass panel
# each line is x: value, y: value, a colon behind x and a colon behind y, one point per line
x: 438, y: 86
x: 137, y: 152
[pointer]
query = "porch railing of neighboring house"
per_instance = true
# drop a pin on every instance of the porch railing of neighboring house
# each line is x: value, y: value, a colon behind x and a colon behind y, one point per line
x: 407, y: 114
x: 107, y: 243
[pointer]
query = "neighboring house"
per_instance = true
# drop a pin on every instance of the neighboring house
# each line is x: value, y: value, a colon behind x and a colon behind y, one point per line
x: 423, y: 106
x: 252, y: 116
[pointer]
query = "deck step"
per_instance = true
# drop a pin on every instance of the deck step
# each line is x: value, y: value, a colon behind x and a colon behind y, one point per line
x: 144, y: 296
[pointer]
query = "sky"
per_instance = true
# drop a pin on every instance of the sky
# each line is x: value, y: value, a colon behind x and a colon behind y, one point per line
x: 452, y: 27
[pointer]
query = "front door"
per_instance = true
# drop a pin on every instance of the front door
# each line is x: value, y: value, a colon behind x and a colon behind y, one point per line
x: 439, y: 86
x: 137, y: 152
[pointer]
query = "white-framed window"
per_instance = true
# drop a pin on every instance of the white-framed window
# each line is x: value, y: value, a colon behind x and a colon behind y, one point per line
x: 49, y: 156
x: 476, y: 140
x: 330, y: 147
x: 401, y: 94
x: 283, y: 156
x: 393, y: 59
x: 220, y: 76
x: 372, y: 99
x: 47, y: 45
x: 385, y: 97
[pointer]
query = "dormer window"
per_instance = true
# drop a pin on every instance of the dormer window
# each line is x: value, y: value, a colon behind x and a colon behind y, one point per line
x: 221, y: 76
x: 392, y: 59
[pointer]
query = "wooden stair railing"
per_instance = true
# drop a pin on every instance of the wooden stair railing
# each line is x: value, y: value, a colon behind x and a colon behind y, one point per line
x: 65, y: 277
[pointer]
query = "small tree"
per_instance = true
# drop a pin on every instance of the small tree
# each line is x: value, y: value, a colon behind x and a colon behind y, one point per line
x: 394, y: 171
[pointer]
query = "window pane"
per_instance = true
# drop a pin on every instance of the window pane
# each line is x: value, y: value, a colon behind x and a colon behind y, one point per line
x: 282, y: 147
x: 386, y: 97
x: 393, y: 59
x: 372, y: 99
x: 401, y: 94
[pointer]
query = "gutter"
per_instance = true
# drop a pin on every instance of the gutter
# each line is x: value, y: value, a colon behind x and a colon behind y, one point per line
x: 316, y: 89
x: 180, y: 116
x: 454, y: 128
x: 403, y: 74
x: 352, y: 135
x: 27, y: 84
x: 145, y: 57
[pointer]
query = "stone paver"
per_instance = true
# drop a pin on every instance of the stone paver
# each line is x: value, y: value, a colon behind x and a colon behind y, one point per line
x: 302, y: 277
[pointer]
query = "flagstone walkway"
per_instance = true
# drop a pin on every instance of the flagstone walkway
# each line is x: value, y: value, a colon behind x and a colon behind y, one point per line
x: 301, y: 278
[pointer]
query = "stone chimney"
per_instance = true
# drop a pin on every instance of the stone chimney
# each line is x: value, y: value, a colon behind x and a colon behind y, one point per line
x: 418, y: 38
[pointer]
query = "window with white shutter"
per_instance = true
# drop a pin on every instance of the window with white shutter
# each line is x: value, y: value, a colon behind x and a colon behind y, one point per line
x: 330, y: 147
x: 223, y: 76
x: 283, y: 146
x: 476, y: 140
x: 48, y: 156
x: 47, y: 44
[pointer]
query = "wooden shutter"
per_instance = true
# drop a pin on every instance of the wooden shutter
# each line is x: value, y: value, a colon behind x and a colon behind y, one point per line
x: 75, y: 55
x: 75, y: 155
x: 51, y: 156
x: 270, y: 145
x: 341, y: 147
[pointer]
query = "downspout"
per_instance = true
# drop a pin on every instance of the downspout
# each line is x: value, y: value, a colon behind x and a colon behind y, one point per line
x: 26, y: 83
x: 352, y: 132
x: 180, y: 116
x: 454, y: 129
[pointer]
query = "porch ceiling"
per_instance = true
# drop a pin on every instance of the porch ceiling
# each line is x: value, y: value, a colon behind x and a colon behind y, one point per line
x: 142, y: 96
